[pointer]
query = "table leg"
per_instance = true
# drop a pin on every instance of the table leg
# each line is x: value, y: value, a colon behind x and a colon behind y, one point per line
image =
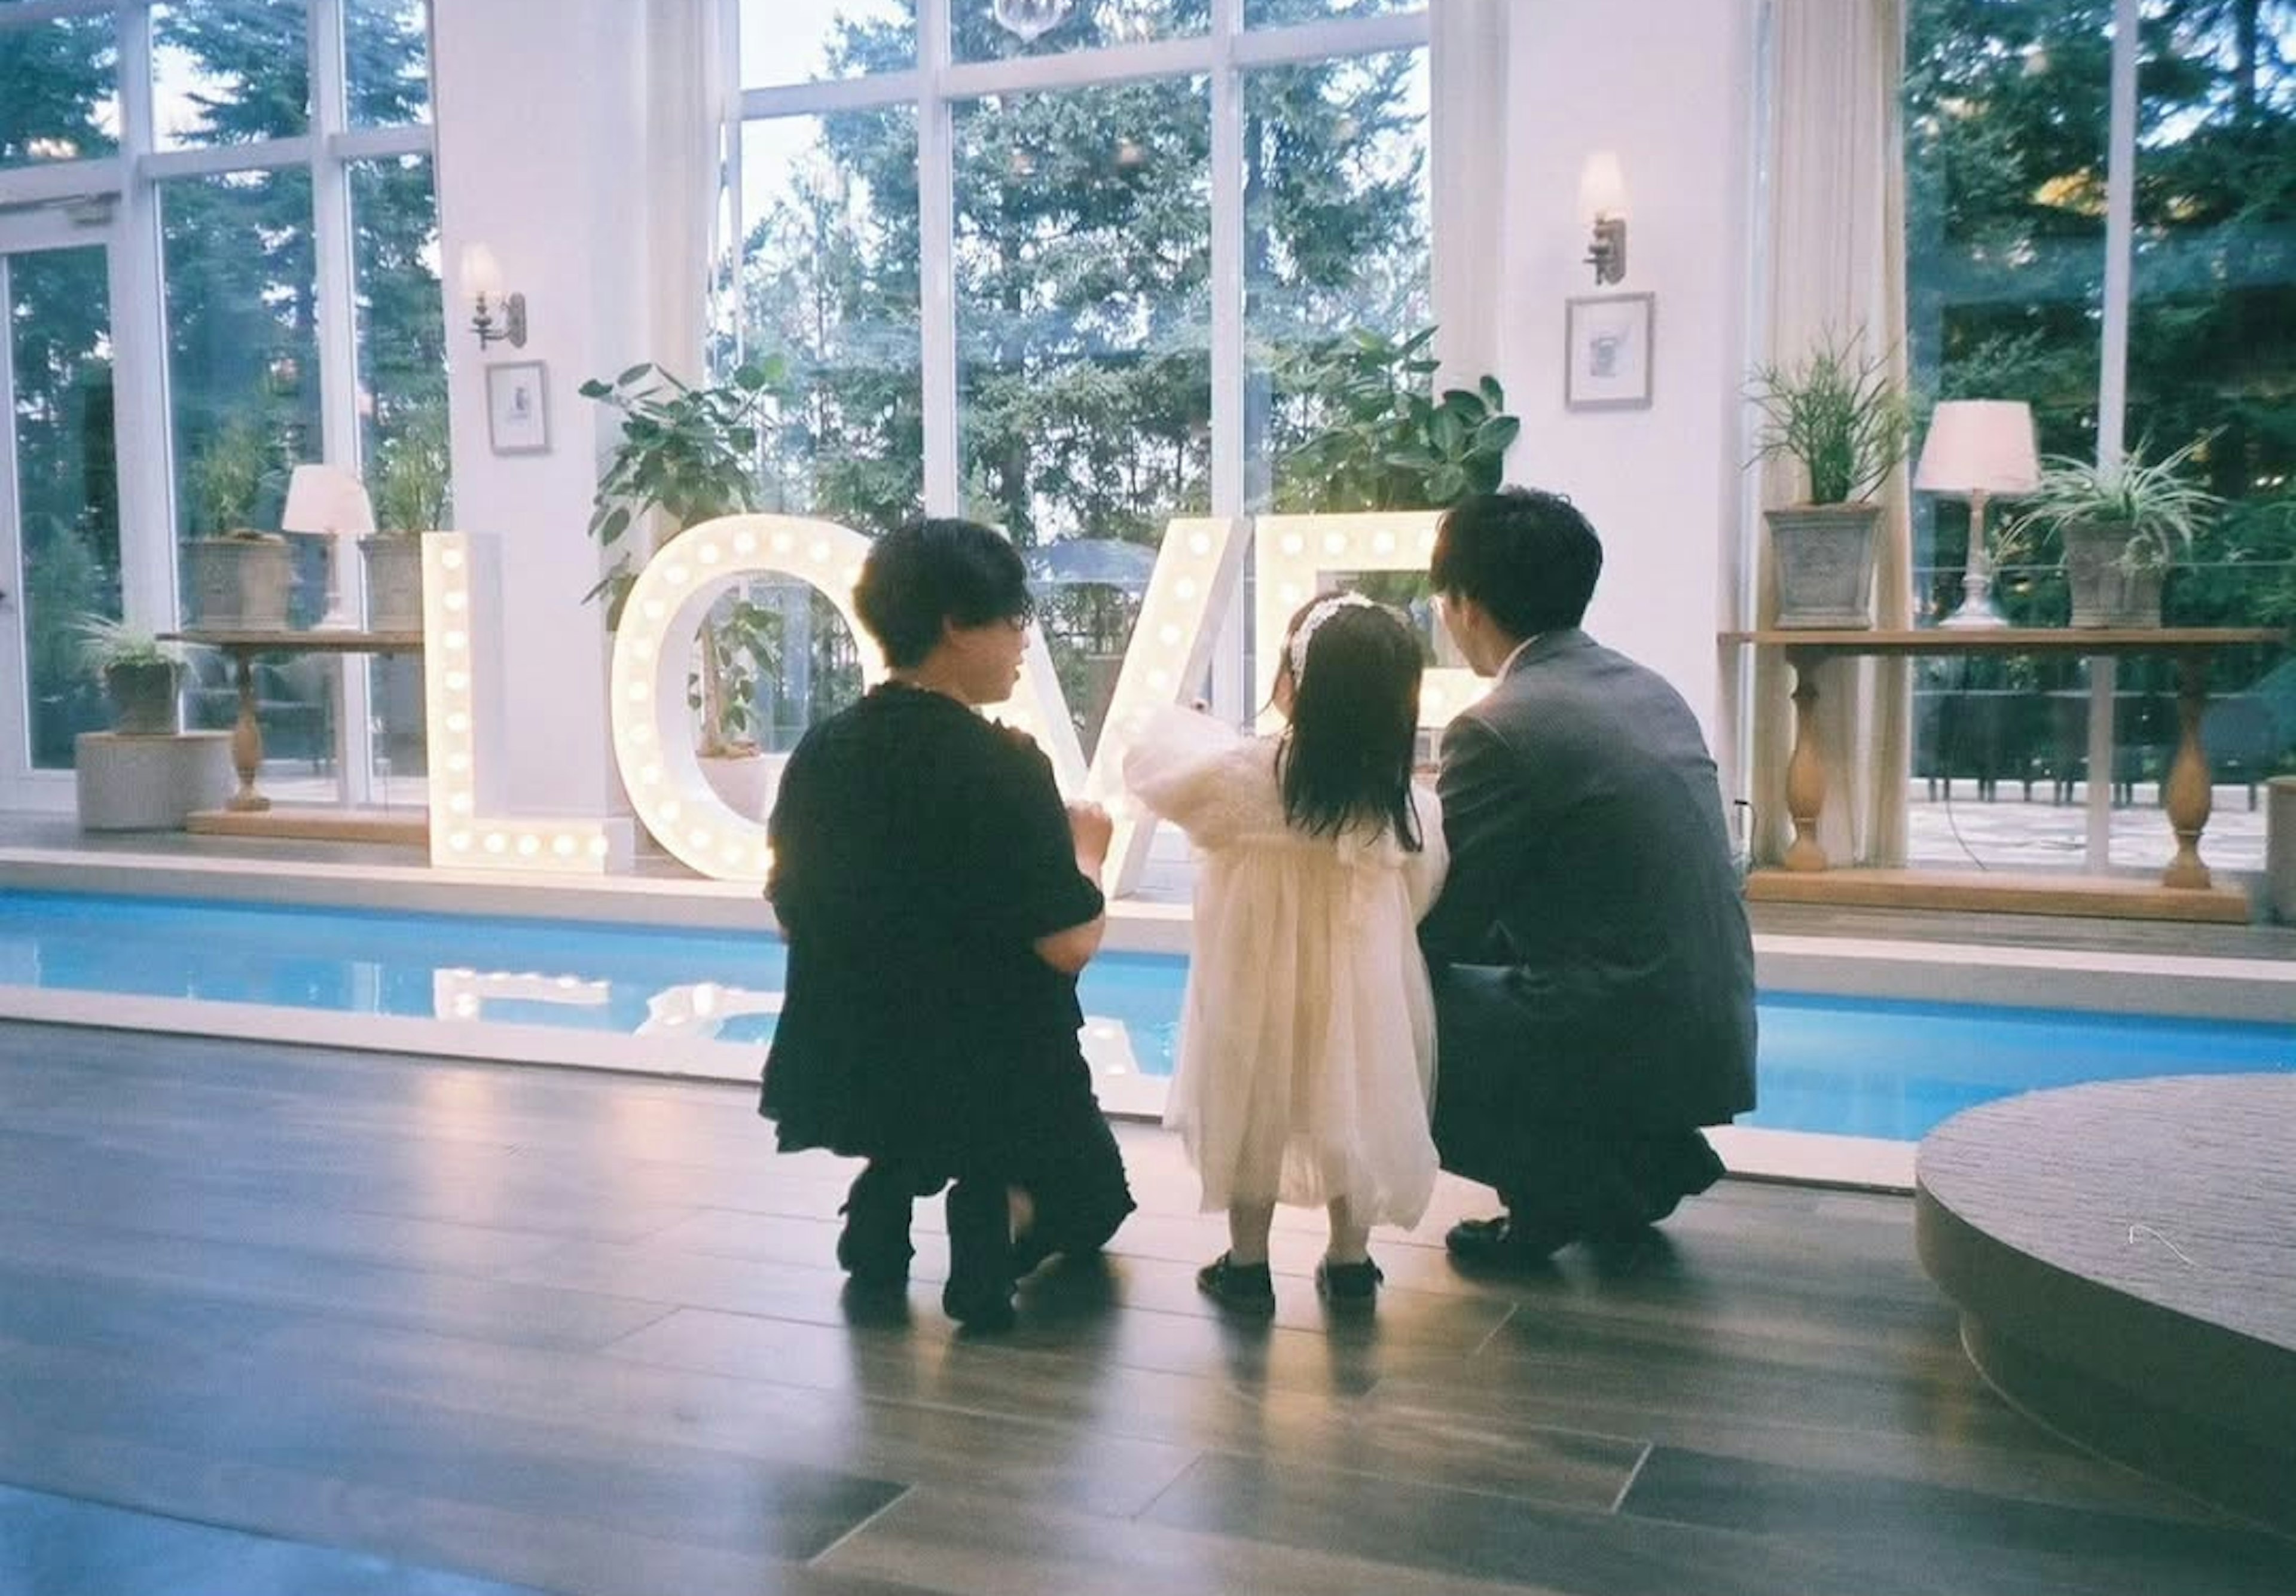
x: 247, y: 740
x: 2189, y: 798
x: 1805, y: 770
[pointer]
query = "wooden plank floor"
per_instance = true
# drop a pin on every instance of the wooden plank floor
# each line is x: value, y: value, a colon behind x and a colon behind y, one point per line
x: 278, y: 1320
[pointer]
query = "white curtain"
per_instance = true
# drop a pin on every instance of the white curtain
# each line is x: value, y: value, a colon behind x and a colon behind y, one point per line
x: 692, y: 119
x: 1837, y: 249
x: 1467, y: 160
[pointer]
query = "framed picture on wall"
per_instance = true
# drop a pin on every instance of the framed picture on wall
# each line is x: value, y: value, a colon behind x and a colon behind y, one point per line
x: 1606, y: 352
x: 518, y: 407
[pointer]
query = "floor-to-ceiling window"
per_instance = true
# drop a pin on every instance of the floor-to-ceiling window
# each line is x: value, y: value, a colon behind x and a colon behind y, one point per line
x: 1052, y: 263
x: 2186, y: 341
x: 251, y: 179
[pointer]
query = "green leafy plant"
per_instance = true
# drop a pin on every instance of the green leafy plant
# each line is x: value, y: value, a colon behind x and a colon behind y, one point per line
x: 2156, y: 510
x: 1386, y: 441
x: 687, y: 455
x: 1836, y: 413
x: 227, y: 475
x: 411, y: 475
x: 106, y: 642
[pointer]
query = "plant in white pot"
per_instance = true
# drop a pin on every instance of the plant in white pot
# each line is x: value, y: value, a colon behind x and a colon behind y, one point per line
x: 687, y: 455
x: 410, y: 499
x: 140, y: 674
x: 241, y: 578
x: 1838, y: 415
x: 2120, y: 528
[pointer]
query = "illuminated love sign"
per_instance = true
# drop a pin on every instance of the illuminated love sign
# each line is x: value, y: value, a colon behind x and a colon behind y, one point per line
x: 1171, y: 649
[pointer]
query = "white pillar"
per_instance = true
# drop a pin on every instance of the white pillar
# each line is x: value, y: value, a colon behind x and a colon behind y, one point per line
x: 542, y: 114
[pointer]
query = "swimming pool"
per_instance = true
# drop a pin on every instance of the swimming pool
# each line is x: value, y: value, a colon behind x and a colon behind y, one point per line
x: 704, y: 1002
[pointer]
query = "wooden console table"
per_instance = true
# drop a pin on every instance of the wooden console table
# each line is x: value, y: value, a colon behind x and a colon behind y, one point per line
x: 2186, y: 791
x: 248, y: 812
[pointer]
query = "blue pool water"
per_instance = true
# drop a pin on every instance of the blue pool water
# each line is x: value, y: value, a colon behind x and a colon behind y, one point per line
x: 1867, y: 1066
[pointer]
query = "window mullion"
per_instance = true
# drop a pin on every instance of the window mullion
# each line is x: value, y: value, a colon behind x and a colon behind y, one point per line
x: 1077, y: 68
x: 382, y: 144
x: 1230, y: 686
x: 936, y: 261
x: 336, y: 339
x: 1227, y: 287
x: 140, y: 431
x: 1321, y: 41
x: 833, y: 93
x: 271, y: 154
x: 2112, y: 397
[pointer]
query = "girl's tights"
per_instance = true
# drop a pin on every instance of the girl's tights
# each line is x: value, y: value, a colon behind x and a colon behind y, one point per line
x: 1248, y: 1225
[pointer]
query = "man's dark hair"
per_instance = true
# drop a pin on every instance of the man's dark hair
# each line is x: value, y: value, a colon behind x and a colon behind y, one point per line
x: 1528, y: 557
x: 932, y: 572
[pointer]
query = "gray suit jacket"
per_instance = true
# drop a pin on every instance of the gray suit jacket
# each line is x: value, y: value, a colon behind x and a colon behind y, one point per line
x: 1593, y: 915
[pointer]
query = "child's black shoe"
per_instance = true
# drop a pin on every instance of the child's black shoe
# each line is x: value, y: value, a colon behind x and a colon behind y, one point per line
x: 1244, y: 1287
x: 1349, y: 1285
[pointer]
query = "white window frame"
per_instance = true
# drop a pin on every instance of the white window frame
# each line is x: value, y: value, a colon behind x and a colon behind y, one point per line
x: 1222, y: 56
x: 143, y: 438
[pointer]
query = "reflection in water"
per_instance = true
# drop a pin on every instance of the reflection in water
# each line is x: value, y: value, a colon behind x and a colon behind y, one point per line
x: 1869, y: 1067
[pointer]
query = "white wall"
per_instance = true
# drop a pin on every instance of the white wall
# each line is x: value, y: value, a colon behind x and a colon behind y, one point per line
x: 1667, y: 85
x: 542, y: 124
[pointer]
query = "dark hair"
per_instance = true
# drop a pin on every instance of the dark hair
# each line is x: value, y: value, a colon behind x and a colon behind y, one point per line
x: 1344, y: 760
x: 1529, y: 557
x: 932, y: 572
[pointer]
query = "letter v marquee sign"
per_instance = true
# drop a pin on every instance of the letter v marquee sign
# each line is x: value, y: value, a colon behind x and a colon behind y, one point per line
x: 1170, y: 652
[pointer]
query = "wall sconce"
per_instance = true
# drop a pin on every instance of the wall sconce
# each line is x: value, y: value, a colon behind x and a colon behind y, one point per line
x: 495, y: 314
x: 1603, y: 206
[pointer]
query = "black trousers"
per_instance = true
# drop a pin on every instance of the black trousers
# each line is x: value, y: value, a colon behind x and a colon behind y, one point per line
x: 1530, y: 1111
x: 1074, y: 1177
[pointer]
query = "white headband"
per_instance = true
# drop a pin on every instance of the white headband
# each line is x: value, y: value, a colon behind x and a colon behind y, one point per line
x: 1322, y: 610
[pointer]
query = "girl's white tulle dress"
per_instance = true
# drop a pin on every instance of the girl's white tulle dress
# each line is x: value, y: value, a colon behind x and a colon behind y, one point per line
x: 1305, y: 1061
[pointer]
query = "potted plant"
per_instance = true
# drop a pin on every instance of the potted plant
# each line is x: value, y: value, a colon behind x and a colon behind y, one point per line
x: 1383, y: 439
x: 687, y: 455
x: 1386, y: 440
x: 2121, y: 527
x: 410, y: 499
x: 241, y: 578
x: 139, y: 673
x: 1839, y: 415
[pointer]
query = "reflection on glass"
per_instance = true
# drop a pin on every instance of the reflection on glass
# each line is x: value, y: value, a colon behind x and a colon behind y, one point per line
x: 1082, y: 266
x: 229, y: 72
x: 2212, y: 338
x: 2005, y: 237
x: 67, y: 490
x: 795, y: 663
x: 829, y: 291
x: 58, y: 90
x: 243, y: 383
x: 387, y: 61
x: 401, y: 329
x: 801, y: 41
x: 2006, y: 115
x: 402, y: 356
x: 1336, y: 224
x: 999, y: 29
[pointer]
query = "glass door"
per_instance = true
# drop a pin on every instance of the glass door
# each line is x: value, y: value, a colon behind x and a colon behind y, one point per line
x: 59, y: 499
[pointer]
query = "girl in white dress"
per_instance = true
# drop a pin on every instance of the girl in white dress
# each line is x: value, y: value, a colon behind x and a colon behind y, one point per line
x: 1307, y: 1048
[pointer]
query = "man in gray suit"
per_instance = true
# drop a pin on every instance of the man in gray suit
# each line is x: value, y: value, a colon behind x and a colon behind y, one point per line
x: 1594, y: 972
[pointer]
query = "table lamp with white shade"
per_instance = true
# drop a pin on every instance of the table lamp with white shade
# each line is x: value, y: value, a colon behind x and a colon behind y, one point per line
x: 1977, y: 448
x: 328, y: 501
